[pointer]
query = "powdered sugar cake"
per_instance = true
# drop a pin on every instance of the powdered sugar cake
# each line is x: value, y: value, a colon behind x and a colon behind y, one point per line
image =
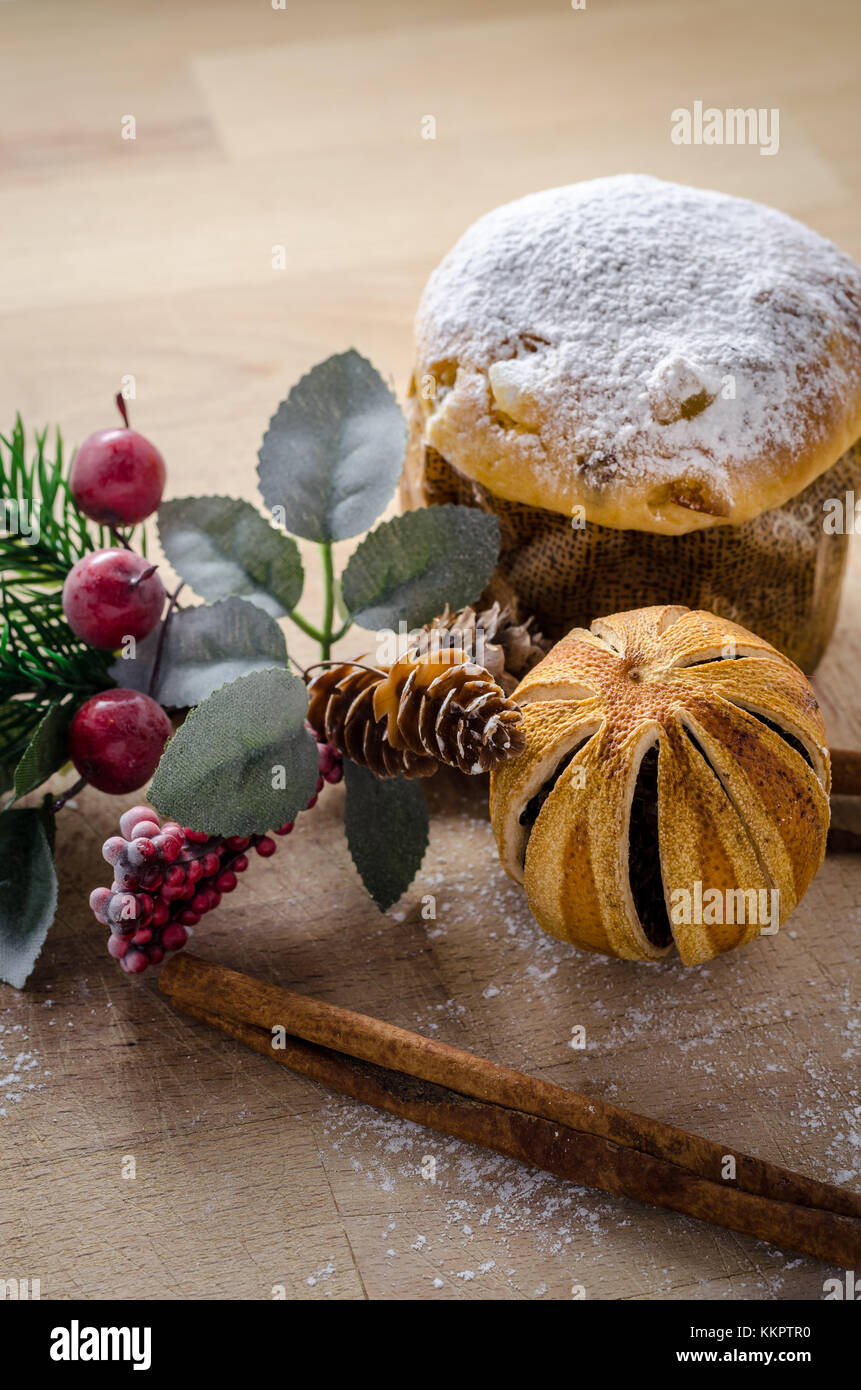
x: 664, y: 358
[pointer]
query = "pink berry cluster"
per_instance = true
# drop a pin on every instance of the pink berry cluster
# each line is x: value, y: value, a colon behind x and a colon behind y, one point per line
x: 166, y: 876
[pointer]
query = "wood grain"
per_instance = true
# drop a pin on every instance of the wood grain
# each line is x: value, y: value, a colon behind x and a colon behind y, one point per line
x: 153, y: 257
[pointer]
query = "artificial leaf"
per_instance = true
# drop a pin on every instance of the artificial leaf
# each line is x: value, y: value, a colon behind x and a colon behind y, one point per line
x: 222, y: 547
x: 49, y: 820
x: 203, y: 649
x: 332, y: 455
x: 409, y: 568
x: 46, y: 752
x: 243, y: 762
x: 386, y: 821
x: 28, y: 892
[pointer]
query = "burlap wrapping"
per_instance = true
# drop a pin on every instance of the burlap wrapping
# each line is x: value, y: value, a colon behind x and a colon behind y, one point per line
x: 779, y: 574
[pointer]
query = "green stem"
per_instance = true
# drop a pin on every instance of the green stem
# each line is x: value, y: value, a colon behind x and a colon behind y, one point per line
x: 328, y: 598
x: 324, y: 634
x: 308, y: 628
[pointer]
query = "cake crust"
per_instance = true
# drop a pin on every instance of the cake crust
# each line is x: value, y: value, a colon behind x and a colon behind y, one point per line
x: 641, y: 355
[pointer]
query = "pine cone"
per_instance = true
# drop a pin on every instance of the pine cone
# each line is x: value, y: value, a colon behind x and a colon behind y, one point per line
x: 341, y: 700
x: 493, y: 638
x: 415, y: 715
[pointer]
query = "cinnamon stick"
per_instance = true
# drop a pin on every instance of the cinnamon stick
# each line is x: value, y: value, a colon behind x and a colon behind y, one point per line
x: 588, y: 1141
x: 844, y: 833
x: 845, y: 772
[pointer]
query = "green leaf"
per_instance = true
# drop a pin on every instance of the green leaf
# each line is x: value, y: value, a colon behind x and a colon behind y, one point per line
x: 332, y: 455
x: 409, y: 568
x: 243, y: 762
x: 222, y: 547
x: 28, y: 892
x: 386, y: 821
x: 46, y: 752
x: 204, y: 648
x: 49, y: 820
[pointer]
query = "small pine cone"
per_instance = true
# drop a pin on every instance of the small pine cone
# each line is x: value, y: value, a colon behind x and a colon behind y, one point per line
x: 341, y: 709
x: 417, y: 714
x: 493, y: 638
x: 450, y: 708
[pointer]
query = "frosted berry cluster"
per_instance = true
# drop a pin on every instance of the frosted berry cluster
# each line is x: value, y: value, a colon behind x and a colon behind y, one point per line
x: 167, y: 876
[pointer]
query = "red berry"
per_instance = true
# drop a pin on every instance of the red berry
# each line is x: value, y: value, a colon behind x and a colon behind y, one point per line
x: 285, y: 829
x: 197, y: 837
x: 117, y: 946
x: 117, y: 477
x: 130, y: 819
x: 174, y: 937
x: 99, y: 900
x: 200, y: 902
x: 141, y: 852
x: 211, y: 863
x: 189, y: 918
x: 112, y: 594
x: 169, y: 847
x: 122, y: 910
x: 117, y: 738
x: 133, y: 962
x: 225, y: 883
x: 240, y: 864
x: 266, y: 847
x: 237, y: 841
x: 145, y: 830
x: 156, y: 955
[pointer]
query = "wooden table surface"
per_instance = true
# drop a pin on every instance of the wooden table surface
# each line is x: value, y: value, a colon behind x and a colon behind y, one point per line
x: 258, y: 127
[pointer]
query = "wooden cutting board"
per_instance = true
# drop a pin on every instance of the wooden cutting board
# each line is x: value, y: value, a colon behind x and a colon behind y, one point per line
x: 258, y: 128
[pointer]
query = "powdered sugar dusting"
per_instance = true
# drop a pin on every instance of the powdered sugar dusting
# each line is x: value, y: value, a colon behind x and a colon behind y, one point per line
x: 743, y: 1050
x: 20, y: 1072
x: 634, y: 332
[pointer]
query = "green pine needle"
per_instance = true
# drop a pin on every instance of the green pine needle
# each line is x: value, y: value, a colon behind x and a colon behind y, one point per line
x: 42, y: 662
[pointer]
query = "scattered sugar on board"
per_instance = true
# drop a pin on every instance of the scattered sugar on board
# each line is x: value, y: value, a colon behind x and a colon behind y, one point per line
x: 507, y: 1208
x: 20, y: 1070
x: 483, y: 1203
x: 325, y: 1272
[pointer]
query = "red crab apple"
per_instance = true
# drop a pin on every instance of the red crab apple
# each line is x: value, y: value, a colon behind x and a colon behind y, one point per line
x: 112, y: 594
x: 117, y: 738
x: 117, y: 476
